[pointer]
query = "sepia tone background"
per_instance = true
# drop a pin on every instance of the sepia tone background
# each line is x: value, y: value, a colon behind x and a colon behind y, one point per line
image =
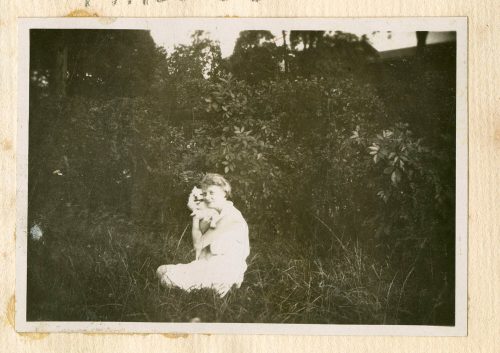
x: 484, y: 139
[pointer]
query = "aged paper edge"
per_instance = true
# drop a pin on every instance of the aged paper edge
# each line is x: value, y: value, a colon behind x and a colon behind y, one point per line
x: 458, y: 24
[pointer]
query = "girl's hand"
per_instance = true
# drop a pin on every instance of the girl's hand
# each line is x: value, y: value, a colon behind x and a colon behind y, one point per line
x: 196, y: 221
x: 197, y: 251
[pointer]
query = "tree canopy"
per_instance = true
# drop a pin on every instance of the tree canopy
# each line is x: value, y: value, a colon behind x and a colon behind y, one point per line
x: 255, y: 56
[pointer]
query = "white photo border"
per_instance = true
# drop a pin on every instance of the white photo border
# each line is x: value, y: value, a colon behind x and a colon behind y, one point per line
x: 406, y: 24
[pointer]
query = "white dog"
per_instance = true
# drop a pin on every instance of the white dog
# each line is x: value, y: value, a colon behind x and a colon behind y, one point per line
x: 199, y: 208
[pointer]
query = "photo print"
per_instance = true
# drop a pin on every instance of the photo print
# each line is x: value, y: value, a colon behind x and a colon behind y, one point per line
x: 213, y: 175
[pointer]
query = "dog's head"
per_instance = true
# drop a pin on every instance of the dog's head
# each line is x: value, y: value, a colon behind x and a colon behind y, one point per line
x: 197, y: 194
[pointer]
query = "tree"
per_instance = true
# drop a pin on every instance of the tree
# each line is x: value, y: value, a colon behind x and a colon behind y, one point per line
x: 48, y: 61
x: 93, y: 62
x: 285, y: 53
x: 321, y: 53
x: 180, y: 79
x: 199, y: 59
x: 306, y: 40
x: 255, y: 56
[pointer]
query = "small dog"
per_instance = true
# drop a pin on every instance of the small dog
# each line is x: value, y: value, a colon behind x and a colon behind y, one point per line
x: 198, y: 206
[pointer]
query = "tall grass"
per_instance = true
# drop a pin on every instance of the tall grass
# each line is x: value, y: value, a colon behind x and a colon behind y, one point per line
x: 101, y: 267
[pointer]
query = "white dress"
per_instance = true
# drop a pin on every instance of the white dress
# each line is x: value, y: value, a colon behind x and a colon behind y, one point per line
x: 222, y: 264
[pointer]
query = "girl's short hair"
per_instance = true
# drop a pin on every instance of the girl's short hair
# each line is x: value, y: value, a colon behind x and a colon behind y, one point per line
x: 210, y: 179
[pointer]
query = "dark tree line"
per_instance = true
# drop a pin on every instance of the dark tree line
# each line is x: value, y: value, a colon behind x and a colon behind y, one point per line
x: 124, y: 63
x: 127, y: 63
x: 259, y: 55
x: 93, y: 62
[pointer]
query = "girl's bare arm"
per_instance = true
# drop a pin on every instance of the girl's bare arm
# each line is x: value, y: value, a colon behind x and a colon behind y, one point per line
x: 197, y: 234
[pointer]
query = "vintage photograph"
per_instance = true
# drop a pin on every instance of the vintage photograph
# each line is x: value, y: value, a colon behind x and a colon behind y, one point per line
x: 300, y: 173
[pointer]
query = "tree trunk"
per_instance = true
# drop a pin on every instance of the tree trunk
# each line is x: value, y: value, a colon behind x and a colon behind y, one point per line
x: 60, y: 71
x: 421, y: 41
x: 285, y: 53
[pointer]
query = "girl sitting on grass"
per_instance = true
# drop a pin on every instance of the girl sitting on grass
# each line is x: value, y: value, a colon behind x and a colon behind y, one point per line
x: 221, y: 251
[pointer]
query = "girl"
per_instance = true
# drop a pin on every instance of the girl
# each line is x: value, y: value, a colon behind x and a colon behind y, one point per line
x: 221, y: 252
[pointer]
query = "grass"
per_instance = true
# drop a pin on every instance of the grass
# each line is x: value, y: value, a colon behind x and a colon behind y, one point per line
x: 101, y: 267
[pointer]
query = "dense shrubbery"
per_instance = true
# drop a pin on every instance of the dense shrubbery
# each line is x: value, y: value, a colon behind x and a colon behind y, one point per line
x: 350, y: 212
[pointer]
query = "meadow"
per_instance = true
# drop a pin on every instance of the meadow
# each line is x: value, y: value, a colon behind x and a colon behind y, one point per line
x: 105, y: 271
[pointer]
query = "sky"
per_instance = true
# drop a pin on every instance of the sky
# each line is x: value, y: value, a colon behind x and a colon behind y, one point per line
x: 226, y: 32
